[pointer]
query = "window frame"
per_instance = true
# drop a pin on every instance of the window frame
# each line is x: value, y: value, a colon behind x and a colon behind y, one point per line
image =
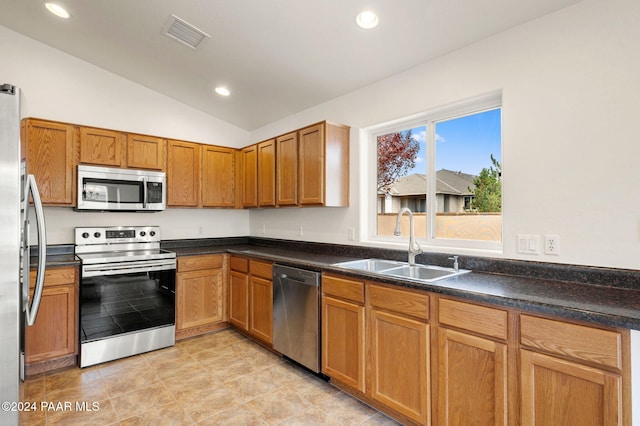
x: 369, y: 196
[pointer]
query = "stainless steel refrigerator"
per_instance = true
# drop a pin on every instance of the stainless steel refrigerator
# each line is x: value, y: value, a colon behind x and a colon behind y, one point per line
x: 18, y: 306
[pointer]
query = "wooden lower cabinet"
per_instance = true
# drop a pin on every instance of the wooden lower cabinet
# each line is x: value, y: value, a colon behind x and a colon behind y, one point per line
x: 200, y: 295
x: 52, y: 342
x: 261, y: 301
x: 400, y: 364
x: 472, y: 368
x: 491, y: 365
x: 343, y: 331
x: 472, y: 374
x: 239, y: 299
x: 400, y: 356
x: 561, y: 392
x: 251, y: 298
x: 571, y: 374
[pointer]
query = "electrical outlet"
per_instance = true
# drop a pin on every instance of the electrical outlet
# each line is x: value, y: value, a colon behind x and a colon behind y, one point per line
x: 351, y: 234
x: 264, y: 228
x: 200, y: 230
x: 551, y: 244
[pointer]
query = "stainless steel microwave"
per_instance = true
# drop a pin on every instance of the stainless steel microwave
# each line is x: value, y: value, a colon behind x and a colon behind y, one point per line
x: 111, y: 189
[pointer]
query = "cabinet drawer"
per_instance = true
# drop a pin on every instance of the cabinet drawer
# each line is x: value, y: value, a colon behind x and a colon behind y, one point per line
x: 194, y: 263
x: 343, y: 288
x: 55, y: 276
x: 403, y: 302
x: 478, y: 319
x: 239, y: 264
x: 261, y: 269
x: 576, y: 341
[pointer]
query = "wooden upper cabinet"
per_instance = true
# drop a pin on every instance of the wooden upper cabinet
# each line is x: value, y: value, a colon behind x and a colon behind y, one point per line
x: 267, y: 173
x: 145, y: 152
x: 183, y: 174
x: 287, y: 169
x: 323, y: 165
x: 50, y: 157
x: 101, y: 146
x: 249, y: 158
x: 218, y: 176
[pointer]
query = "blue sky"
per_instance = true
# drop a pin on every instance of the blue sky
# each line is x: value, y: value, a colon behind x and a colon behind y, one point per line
x: 463, y: 144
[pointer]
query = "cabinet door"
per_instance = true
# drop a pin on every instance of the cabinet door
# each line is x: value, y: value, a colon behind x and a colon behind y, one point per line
x: 218, y: 176
x: 400, y: 364
x: 472, y: 379
x: 560, y: 392
x: 101, y: 146
x: 311, y: 162
x: 183, y: 174
x: 239, y: 299
x: 267, y: 173
x: 261, y: 317
x: 343, y: 342
x: 250, y: 176
x: 55, y: 331
x: 199, y: 298
x: 145, y: 152
x: 49, y: 154
x: 287, y: 169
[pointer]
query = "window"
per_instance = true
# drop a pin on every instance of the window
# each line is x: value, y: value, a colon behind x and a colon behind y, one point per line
x: 446, y: 167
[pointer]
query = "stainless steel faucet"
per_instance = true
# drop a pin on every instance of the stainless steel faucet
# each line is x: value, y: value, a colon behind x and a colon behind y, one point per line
x: 456, y: 267
x: 414, y: 247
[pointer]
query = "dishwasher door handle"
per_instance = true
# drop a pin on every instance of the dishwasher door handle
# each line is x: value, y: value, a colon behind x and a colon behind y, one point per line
x: 296, y: 279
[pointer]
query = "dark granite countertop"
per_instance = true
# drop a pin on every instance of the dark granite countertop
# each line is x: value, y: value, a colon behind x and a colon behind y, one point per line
x: 614, y: 305
x: 596, y: 295
x: 57, y: 256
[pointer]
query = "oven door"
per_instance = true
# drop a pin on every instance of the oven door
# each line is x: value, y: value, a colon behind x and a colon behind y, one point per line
x: 124, y: 303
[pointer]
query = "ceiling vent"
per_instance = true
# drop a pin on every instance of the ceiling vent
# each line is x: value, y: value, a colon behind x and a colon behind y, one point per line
x: 182, y: 31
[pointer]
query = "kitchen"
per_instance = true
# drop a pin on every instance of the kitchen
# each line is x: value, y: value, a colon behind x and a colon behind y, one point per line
x: 569, y: 91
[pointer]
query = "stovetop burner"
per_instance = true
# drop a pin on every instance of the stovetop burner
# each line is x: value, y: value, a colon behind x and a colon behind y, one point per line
x: 116, y: 244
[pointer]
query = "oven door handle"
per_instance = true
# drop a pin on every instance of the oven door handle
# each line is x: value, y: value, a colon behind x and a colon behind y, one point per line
x: 127, y: 268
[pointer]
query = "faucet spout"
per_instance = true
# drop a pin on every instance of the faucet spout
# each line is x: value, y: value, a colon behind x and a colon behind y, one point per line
x: 414, y: 247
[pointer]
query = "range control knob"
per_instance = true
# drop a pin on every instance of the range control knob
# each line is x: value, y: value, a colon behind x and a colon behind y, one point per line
x: 85, y: 235
x: 142, y: 233
x: 152, y: 233
x: 97, y: 234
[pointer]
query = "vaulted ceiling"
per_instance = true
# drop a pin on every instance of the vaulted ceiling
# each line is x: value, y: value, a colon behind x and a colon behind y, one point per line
x: 277, y: 57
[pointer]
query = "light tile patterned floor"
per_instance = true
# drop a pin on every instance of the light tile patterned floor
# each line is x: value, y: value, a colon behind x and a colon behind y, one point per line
x: 216, y: 379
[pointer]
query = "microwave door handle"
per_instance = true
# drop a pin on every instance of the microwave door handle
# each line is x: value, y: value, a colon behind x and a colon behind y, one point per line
x: 32, y: 309
x: 145, y: 194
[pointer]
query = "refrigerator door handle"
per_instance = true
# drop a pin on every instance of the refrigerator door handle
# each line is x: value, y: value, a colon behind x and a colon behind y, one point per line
x: 32, y: 308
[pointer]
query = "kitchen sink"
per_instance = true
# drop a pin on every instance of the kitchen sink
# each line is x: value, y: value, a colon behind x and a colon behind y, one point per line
x: 423, y: 273
x: 370, y: 265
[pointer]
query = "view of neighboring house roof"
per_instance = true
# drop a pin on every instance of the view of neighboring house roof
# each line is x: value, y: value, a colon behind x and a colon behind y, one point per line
x: 447, y: 182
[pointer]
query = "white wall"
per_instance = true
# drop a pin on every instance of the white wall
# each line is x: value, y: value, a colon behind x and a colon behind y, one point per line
x: 59, y: 87
x: 571, y: 143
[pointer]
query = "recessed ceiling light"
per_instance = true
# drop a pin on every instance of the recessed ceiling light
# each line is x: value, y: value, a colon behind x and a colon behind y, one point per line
x: 222, y: 91
x: 367, y: 20
x: 57, y: 10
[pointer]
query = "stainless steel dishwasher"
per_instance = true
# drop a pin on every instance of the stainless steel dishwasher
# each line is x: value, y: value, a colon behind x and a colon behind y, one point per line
x: 296, y: 315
